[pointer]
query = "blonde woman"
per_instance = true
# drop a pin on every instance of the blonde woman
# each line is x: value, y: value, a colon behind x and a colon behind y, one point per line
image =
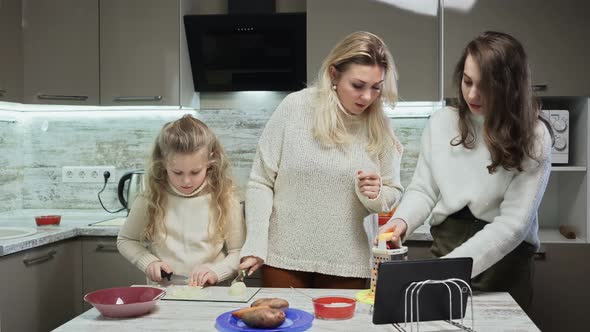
x: 326, y: 159
x: 188, y: 212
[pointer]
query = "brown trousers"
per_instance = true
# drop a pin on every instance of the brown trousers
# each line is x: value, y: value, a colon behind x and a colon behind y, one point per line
x: 513, y: 273
x: 281, y: 278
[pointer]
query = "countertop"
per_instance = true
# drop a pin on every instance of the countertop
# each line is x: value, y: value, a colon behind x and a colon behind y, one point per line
x: 492, y: 312
x: 76, y: 223
x: 73, y: 223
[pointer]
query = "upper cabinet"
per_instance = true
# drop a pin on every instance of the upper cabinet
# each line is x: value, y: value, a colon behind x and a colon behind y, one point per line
x: 412, y: 35
x: 554, y: 34
x: 60, y: 52
x: 139, y: 52
x: 11, y: 62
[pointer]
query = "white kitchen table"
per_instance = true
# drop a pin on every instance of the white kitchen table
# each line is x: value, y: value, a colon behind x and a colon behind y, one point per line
x: 493, y: 312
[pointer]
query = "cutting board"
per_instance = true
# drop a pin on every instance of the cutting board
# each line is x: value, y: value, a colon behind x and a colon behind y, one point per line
x: 207, y: 294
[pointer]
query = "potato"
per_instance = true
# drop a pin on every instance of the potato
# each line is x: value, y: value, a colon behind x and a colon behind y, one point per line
x: 237, y: 289
x: 264, y: 318
x: 272, y: 302
x: 240, y: 313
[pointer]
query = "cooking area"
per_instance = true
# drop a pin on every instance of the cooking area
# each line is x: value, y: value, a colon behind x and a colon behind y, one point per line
x: 87, y: 87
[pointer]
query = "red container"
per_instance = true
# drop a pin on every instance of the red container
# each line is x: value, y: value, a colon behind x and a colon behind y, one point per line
x: 383, y: 220
x: 47, y: 220
x: 334, y: 307
x: 122, y: 302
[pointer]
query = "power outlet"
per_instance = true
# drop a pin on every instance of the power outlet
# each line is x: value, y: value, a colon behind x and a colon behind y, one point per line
x: 86, y: 173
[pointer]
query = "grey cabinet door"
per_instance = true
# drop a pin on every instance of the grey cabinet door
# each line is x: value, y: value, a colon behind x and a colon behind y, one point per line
x: 561, y: 290
x: 104, y: 267
x: 554, y: 34
x: 139, y: 52
x: 40, y: 287
x: 60, y: 52
x: 412, y: 38
x: 11, y: 63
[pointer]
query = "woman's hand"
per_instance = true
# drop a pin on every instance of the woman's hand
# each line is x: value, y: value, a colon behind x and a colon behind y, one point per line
x: 369, y: 184
x: 154, y: 270
x: 202, y: 275
x: 251, y: 263
x: 397, y: 227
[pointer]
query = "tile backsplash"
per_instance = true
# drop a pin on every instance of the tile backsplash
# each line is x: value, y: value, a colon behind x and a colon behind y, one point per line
x: 39, y: 144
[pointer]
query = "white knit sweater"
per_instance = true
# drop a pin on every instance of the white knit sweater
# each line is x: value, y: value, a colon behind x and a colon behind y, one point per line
x: 304, y: 211
x: 447, y: 178
x: 187, y: 244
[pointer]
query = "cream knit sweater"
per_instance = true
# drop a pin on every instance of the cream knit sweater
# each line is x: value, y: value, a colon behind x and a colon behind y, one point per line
x: 447, y: 178
x: 304, y: 211
x: 187, y: 244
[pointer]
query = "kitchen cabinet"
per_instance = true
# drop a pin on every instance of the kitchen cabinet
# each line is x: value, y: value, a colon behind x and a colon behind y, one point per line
x: 554, y: 34
x: 104, y: 267
x: 41, y: 287
x: 561, y: 290
x: 60, y: 52
x: 565, y: 202
x: 412, y: 38
x: 11, y: 63
x: 139, y: 52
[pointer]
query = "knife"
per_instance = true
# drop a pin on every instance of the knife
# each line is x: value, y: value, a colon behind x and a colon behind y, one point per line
x: 240, y: 277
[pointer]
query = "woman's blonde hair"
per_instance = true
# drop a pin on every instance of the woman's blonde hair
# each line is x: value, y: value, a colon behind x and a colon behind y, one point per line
x: 362, y: 48
x: 185, y: 136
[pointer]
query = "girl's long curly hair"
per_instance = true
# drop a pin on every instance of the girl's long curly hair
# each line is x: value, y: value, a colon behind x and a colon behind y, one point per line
x: 185, y: 136
x: 511, y: 110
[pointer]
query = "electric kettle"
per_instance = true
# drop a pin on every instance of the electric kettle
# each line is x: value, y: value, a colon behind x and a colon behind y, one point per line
x: 127, y: 194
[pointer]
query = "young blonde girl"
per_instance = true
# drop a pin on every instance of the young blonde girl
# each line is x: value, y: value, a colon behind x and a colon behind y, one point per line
x: 188, y: 212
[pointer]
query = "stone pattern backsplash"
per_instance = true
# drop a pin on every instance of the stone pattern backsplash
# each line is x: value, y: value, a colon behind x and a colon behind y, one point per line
x: 36, y: 148
x: 11, y: 166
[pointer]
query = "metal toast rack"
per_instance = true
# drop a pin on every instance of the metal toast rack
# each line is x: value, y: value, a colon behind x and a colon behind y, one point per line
x: 452, y: 284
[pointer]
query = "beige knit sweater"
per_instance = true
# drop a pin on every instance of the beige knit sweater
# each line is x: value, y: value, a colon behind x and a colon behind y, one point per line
x: 187, y: 244
x: 303, y: 208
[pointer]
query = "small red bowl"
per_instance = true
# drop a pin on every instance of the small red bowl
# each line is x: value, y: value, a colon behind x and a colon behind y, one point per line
x: 47, y: 220
x: 334, y: 307
x: 123, y: 302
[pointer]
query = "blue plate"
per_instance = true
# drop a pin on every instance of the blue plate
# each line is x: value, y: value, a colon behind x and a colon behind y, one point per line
x: 295, y: 320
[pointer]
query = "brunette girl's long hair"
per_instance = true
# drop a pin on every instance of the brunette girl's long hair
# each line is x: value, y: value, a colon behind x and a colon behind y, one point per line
x: 184, y: 136
x: 511, y: 110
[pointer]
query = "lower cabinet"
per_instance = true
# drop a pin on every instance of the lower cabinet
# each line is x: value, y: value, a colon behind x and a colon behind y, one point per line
x: 561, y: 291
x: 104, y: 267
x: 41, y: 287
x: 419, y: 249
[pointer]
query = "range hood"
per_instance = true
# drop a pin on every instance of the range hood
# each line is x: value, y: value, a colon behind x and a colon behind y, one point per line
x: 250, y: 49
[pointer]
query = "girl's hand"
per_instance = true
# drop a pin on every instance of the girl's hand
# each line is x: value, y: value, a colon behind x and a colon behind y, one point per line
x: 153, y: 270
x: 369, y: 184
x: 252, y: 263
x: 202, y: 275
x: 397, y: 227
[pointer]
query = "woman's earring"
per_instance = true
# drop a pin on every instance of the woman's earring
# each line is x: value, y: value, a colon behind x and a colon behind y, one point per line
x: 334, y: 87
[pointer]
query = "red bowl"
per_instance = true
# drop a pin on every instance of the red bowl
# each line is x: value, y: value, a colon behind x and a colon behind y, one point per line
x: 334, y: 307
x: 122, y: 302
x: 47, y: 220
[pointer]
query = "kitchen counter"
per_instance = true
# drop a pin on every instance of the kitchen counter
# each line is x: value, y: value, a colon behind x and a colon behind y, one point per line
x: 76, y: 223
x: 492, y: 312
x: 73, y: 223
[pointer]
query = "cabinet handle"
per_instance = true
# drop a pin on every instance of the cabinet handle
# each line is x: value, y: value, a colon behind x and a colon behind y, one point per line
x: 539, y: 256
x: 138, y: 98
x: 106, y: 247
x: 62, y: 97
x: 40, y: 259
x: 539, y: 87
x: 2, y: 92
